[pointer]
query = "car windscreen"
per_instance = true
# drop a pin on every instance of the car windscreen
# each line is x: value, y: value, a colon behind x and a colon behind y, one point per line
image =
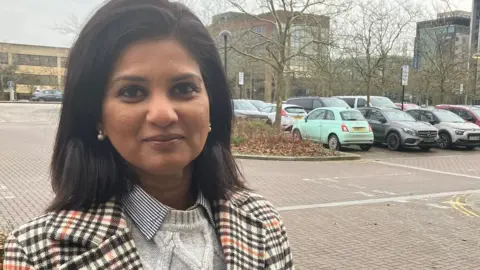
x: 244, y: 105
x: 258, y: 103
x: 395, y: 115
x: 295, y: 110
x: 446, y: 116
x: 352, y: 116
x: 335, y: 102
x: 382, y: 102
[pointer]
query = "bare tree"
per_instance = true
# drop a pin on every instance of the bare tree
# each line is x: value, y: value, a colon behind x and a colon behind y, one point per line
x: 372, y: 34
x: 71, y: 26
x: 286, y: 37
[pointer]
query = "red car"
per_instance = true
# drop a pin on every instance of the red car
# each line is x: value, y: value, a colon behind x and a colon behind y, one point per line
x: 407, y: 106
x: 468, y: 113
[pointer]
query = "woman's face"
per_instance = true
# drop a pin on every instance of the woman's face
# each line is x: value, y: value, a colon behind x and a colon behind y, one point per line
x: 156, y: 108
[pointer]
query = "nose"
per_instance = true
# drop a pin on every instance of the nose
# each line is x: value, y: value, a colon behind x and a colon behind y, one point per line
x: 161, y: 110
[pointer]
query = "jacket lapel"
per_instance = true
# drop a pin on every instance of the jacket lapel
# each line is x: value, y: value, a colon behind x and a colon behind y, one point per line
x: 242, y: 235
x: 97, y: 238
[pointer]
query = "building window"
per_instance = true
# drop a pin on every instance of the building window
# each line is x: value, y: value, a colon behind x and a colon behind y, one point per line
x: 63, y: 62
x: 260, y: 29
x: 3, y: 58
x: 34, y: 60
x: 30, y: 79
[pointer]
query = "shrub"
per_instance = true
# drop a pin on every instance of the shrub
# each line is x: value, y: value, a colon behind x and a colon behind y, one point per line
x: 257, y: 138
x: 3, y: 237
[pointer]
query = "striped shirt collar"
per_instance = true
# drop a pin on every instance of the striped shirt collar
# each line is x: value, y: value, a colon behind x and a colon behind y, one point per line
x: 148, y: 213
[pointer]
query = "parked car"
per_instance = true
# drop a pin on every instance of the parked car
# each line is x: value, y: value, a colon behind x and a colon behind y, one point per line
x: 399, y: 129
x: 48, y: 95
x: 312, y: 103
x: 361, y: 101
x: 452, y: 129
x: 407, y: 106
x: 335, y: 127
x: 258, y: 103
x: 245, y: 110
x: 290, y: 114
x: 468, y: 113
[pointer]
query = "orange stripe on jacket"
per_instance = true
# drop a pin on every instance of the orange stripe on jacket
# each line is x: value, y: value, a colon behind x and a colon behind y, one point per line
x: 227, y: 240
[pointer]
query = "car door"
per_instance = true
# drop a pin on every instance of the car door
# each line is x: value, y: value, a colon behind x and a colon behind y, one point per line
x: 270, y: 111
x: 314, y: 125
x: 327, y: 126
x: 361, y: 103
x: 379, y: 125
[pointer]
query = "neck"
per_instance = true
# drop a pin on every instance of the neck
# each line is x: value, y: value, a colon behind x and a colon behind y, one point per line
x: 172, y: 190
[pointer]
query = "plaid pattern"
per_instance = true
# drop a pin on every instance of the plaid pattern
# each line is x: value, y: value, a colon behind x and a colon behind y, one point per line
x: 251, y: 233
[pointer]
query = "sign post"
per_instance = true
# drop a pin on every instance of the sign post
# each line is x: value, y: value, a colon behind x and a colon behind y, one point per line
x: 11, y: 86
x: 241, y: 81
x: 404, y: 82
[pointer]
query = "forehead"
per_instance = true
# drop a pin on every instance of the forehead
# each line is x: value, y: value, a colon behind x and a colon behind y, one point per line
x: 166, y: 56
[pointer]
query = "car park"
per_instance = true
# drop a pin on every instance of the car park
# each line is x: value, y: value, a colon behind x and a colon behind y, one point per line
x: 242, y: 109
x: 452, y: 129
x: 361, y: 101
x: 468, y: 113
x: 290, y: 114
x: 335, y: 127
x: 399, y: 129
x: 312, y: 103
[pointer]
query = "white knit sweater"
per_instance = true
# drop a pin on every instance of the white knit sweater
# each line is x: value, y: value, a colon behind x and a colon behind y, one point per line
x: 186, y: 240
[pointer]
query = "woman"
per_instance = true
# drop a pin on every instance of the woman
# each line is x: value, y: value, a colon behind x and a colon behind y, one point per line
x: 142, y: 169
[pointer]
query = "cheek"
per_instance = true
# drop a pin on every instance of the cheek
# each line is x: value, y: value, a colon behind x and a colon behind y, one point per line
x: 120, y: 123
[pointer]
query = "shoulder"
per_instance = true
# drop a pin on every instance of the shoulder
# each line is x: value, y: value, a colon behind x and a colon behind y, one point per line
x: 31, y: 232
x: 256, y: 205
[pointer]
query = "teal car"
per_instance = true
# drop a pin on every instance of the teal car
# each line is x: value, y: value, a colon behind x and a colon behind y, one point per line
x: 335, y: 127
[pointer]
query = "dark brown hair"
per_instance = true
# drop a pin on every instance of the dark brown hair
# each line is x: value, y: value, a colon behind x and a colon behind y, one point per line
x: 86, y: 171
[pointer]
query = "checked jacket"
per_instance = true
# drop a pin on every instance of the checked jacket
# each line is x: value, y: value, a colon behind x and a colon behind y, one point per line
x: 251, y: 233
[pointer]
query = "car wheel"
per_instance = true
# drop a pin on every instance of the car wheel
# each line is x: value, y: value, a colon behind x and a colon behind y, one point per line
x: 297, y: 135
x: 425, y: 148
x: 445, y: 142
x: 393, y: 141
x: 41, y: 99
x: 333, y: 142
x: 365, y: 147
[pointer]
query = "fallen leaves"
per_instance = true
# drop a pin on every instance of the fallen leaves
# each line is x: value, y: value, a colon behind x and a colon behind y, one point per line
x: 3, y: 238
x: 257, y: 138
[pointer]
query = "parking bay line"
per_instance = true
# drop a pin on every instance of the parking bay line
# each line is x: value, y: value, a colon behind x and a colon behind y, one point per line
x: 427, y: 170
x: 375, y: 201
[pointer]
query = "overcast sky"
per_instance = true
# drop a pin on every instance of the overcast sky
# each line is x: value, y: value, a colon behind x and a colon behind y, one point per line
x: 34, y: 21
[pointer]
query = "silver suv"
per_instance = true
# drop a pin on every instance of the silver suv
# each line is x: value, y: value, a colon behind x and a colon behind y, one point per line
x: 398, y: 129
x: 453, y: 130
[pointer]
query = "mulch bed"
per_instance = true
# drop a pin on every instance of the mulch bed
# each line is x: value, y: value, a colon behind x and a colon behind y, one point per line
x: 256, y: 138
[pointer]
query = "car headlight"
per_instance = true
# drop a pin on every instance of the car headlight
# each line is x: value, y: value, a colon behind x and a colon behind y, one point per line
x: 459, y: 131
x: 409, y: 131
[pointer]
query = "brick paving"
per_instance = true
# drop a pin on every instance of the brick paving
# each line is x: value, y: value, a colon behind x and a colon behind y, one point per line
x: 412, y: 233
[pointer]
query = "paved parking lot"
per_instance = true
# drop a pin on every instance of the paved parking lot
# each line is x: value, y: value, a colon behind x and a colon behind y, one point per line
x: 390, y: 210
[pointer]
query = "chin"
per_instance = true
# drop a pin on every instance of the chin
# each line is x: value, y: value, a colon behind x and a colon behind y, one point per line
x: 167, y: 165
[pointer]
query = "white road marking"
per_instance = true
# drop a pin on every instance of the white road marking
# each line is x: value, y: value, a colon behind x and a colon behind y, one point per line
x: 437, y: 206
x: 329, y: 180
x: 401, y: 201
x: 427, y: 170
x: 3, y: 187
x: 357, y: 186
x: 336, y: 186
x: 384, y: 192
x: 364, y: 194
x: 378, y: 200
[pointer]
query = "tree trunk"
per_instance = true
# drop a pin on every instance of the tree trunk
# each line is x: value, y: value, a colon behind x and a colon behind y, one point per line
x: 369, y: 83
x: 267, y: 84
x: 279, y: 88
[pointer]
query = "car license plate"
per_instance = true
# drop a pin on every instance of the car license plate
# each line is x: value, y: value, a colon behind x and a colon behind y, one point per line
x: 359, y: 129
x: 429, y: 140
x: 475, y: 138
x: 298, y: 117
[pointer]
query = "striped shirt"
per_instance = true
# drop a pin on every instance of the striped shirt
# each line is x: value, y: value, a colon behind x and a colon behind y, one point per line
x: 148, y: 213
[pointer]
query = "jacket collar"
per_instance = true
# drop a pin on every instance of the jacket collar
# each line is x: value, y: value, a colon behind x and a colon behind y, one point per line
x: 242, y: 235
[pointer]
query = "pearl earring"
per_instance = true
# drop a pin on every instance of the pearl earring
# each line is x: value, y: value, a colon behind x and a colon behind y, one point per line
x: 100, y: 136
x: 210, y: 128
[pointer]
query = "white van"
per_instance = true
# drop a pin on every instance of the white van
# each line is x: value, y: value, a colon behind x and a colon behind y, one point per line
x: 361, y: 101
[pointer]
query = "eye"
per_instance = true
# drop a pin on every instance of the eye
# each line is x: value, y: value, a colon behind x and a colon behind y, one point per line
x: 132, y: 93
x: 185, y: 89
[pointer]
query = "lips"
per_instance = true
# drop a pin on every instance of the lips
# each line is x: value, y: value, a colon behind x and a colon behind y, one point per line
x: 164, y: 138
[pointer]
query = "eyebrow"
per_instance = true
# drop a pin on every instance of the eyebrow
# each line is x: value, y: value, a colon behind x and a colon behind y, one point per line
x: 178, y: 78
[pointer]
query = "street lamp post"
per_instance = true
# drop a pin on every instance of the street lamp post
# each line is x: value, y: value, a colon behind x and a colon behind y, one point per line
x: 225, y: 34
